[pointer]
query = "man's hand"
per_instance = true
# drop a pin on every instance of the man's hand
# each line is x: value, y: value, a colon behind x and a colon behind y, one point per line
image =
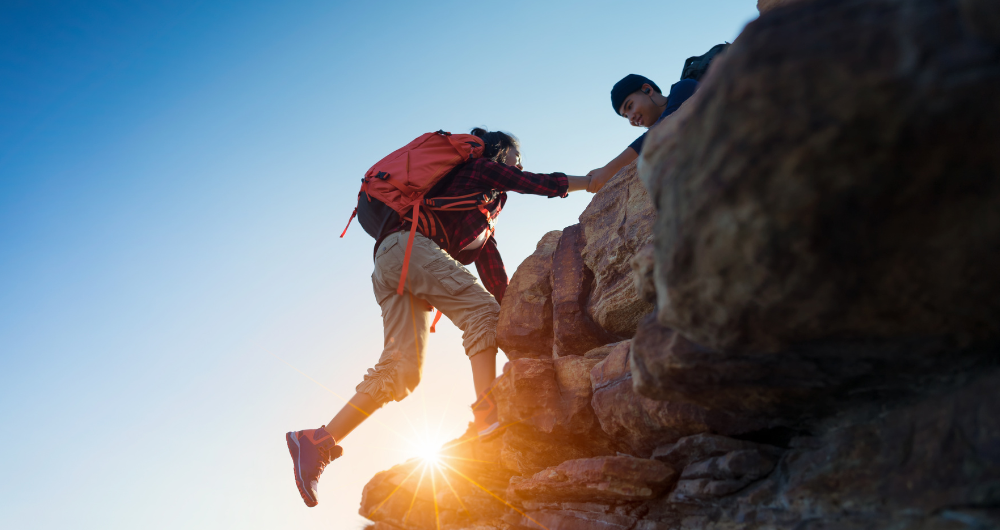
x: 601, y: 176
x: 598, y: 178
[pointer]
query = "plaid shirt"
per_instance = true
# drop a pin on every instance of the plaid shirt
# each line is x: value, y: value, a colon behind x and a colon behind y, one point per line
x: 463, y: 227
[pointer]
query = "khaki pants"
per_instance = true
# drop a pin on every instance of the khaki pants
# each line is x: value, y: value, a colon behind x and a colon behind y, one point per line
x: 436, y: 277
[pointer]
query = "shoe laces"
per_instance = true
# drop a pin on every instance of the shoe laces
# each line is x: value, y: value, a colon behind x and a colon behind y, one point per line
x: 329, y: 455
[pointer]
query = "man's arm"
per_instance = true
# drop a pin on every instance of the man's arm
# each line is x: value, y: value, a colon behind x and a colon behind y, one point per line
x: 601, y: 176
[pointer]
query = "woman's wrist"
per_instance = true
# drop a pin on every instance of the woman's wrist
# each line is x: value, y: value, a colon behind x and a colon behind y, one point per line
x: 577, y: 183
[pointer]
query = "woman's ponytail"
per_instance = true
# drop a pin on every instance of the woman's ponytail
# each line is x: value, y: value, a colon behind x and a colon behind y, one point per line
x: 496, y: 143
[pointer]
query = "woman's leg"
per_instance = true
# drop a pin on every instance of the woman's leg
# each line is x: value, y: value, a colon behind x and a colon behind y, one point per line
x: 484, y: 370
x: 406, y: 324
x: 354, y: 413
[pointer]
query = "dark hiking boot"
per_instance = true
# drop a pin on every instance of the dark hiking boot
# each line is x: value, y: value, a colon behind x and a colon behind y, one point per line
x: 311, y: 451
x: 485, y: 412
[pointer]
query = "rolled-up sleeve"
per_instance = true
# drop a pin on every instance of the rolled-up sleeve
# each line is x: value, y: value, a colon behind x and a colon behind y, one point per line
x: 507, y: 178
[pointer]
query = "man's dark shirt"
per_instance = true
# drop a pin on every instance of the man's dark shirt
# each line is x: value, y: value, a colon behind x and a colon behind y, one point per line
x: 679, y: 93
x: 463, y: 227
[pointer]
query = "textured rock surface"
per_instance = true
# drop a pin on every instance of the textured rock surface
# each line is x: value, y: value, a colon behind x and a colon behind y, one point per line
x: 525, y: 325
x: 643, y: 273
x: 640, y: 424
x: 617, y: 223
x: 406, y: 496
x: 700, y: 447
x: 609, y: 478
x: 547, y: 405
x: 575, y: 332
x: 835, y: 176
x: 798, y: 385
x: 601, y: 352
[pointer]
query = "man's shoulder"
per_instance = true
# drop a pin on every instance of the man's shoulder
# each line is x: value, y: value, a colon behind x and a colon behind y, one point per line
x: 684, y: 86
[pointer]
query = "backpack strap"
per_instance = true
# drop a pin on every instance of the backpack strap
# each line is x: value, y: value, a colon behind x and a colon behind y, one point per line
x: 409, y: 248
x: 435, y: 323
x: 349, y: 223
x: 466, y: 202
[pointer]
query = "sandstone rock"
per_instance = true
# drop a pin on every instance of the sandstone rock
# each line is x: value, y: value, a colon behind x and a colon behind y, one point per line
x: 575, y: 331
x: 527, y: 451
x: 700, y: 447
x: 572, y: 520
x: 404, y: 496
x: 638, y: 423
x: 573, y: 378
x: 550, y: 396
x: 744, y: 464
x: 525, y: 323
x: 601, y: 352
x: 722, y: 475
x: 802, y: 383
x: 609, y: 478
x: 547, y: 404
x: 835, y: 176
x: 654, y: 350
x: 617, y: 223
x: 527, y: 393
x: 643, y: 268
x: 941, y: 452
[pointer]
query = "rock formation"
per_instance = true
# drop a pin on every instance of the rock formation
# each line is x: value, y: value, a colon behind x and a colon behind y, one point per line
x: 797, y: 325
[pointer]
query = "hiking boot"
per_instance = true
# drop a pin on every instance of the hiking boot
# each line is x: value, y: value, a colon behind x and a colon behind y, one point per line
x: 485, y: 412
x: 311, y: 451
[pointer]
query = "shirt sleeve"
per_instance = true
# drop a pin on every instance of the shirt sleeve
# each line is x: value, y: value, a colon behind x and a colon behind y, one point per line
x: 637, y: 144
x: 507, y: 178
x: 491, y: 270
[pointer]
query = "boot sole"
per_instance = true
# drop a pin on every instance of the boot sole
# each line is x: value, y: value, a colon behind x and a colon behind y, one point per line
x: 293, y: 449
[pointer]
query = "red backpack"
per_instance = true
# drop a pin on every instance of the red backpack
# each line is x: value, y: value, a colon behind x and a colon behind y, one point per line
x: 395, y: 188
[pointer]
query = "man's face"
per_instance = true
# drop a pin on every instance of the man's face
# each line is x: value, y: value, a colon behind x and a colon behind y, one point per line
x: 639, y: 108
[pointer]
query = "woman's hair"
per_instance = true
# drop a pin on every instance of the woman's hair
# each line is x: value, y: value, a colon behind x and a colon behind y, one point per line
x: 496, y: 143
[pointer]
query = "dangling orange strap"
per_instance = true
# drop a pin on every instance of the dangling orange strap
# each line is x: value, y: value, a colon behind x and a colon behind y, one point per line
x: 349, y: 222
x: 435, y: 323
x: 409, y: 248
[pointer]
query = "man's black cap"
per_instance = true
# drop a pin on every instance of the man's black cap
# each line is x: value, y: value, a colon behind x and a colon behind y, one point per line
x: 626, y: 86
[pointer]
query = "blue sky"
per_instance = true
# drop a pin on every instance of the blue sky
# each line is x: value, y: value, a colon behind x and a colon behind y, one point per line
x: 173, y: 178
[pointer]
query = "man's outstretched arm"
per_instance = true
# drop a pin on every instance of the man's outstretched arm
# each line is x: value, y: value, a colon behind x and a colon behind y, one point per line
x: 600, y: 177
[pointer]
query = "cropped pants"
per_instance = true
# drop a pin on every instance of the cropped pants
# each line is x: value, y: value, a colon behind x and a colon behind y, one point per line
x: 434, y: 278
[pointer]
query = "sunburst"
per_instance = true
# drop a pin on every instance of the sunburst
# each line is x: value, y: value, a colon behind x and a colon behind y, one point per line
x: 429, y: 448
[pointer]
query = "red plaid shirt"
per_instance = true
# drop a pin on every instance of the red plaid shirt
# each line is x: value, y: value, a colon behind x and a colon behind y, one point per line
x: 463, y: 227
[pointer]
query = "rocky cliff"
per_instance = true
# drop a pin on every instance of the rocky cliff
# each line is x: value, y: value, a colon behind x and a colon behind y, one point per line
x: 787, y: 315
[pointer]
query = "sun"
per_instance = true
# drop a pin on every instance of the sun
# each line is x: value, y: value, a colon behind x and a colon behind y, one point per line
x: 429, y: 451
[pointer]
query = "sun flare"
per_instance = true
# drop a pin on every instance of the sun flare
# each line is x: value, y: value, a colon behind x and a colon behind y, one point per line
x: 428, y: 451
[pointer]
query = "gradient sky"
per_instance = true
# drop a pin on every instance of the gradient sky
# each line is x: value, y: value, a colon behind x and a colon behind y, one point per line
x: 173, y: 178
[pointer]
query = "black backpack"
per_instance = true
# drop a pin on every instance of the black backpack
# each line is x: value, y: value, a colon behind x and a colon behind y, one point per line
x: 695, y: 67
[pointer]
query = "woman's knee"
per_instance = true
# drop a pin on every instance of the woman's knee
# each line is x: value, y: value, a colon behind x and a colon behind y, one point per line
x: 480, y: 332
x: 390, y: 380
